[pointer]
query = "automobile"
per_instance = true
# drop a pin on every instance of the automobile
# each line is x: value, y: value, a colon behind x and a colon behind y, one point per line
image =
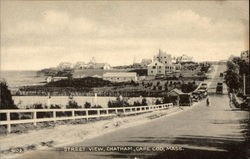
x: 159, y: 76
x: 197, y: 94
x: 219, y: 88
x: 203, y: 86
x: 195, y: 98
x: 203, y: 93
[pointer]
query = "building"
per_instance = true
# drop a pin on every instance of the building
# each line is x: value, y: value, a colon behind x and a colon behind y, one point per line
x: 169, y: 68
x: 184, y: 58
x: 120, y: 76
x: 145, y: 62
x: 177, y: 67
x: 65, y: 65
x: 174, y: 96
x: 162, y: 64
x: 54, y: 79
x: 80, y: 65
x: 245, y: 56
x: 156, y: 68
x: 104, y: 66
x: 163, y: 57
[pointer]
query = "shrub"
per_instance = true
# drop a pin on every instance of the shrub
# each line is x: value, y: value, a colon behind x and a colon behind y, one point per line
x: 144, y: 102
x: 72, y: 105
x: 157, y: 102
x: 117, y: 103
x: 137, y: 103
x: 166, y: 99
x: 87, y: 105
x: 96, y: 106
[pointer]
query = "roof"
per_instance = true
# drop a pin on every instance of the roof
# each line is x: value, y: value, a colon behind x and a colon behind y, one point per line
x: 119, y: 74
x: 176, y: 91
x: 158, y: 63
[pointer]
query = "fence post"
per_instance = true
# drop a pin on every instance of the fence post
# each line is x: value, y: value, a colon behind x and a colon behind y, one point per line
x: 54, y: 115
x: 8, y: 119
x: 98, y: 113
x: 73, y: 114
x: 107, y: 111
x: 116, y: 111
x: 34, y: 117
x: 87, y: 114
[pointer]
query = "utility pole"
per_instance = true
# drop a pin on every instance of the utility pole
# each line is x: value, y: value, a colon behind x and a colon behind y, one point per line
x: 244, y: 84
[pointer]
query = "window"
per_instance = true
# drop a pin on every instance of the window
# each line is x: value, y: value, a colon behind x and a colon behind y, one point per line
x: 159, y: 66
x: 153, y: 67
x: 152, y: 71
x: 155, y: 64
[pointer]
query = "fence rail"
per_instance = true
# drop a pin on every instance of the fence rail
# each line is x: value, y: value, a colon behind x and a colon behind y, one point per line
x: 98, y: 112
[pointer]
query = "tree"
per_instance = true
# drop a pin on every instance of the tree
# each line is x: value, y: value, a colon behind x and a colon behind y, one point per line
x: 232, y: 77
x: 144, y: 102
x: 157, y: 102
x: 166, y: 86
x: 6, y: 101
x: 158, y: 83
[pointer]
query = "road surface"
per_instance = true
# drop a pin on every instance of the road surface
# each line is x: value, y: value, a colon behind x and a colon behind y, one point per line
x: 213, y: 131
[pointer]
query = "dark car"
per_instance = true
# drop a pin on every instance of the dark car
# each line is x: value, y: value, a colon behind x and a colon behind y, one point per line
x: 219, y: 88
x: 203, y: 86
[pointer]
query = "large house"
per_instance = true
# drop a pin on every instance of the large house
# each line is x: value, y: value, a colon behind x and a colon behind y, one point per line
x: 162, y: 64
x: 92, y: 64
x: 104, y: 66
x: 120, y: 76
x: 184, y: 58
x: 155, y: 68
x: 65, y: 65
x: 163, y: 57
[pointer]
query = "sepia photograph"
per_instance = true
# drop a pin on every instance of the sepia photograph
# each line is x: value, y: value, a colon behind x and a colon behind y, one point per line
x: 124, y: 79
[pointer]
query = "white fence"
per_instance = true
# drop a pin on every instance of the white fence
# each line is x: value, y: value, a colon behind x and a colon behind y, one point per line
x: 95, y: 113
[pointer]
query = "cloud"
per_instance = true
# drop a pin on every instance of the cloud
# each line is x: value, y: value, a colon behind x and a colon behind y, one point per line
x: 59, y: 36
x: 52, y: 23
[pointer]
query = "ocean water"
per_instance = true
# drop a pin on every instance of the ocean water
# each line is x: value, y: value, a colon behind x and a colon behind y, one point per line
x: 16, y: 79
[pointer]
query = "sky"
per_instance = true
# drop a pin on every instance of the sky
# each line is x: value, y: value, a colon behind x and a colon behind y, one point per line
x: 41, y: 34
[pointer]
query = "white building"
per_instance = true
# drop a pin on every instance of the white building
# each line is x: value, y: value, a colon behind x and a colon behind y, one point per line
x: 184, y: 58
x: 53, y: 79
x: 65, y: 65
x: 163, y: 57
x: 104, y: 66
x: 155, y: 68
x: 80, y: 65
x: 120, y: 76
x: 169, y: 68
